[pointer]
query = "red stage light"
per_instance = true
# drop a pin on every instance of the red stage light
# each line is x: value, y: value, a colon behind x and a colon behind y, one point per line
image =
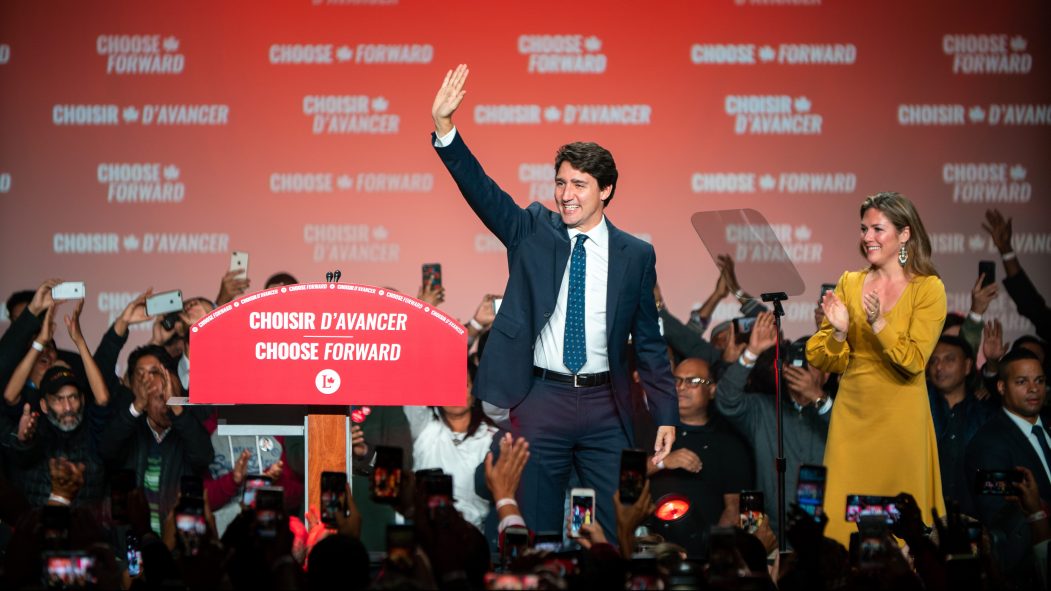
x: 672, y: 509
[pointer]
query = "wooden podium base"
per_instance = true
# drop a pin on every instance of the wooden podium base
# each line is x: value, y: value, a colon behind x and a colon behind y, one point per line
x: 328, y: 449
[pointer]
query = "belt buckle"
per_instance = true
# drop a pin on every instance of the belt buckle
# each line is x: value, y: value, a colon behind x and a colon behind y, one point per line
x: 576, y: 383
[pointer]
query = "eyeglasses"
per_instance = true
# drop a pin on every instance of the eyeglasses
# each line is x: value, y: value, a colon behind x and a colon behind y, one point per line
x: 692, y: 382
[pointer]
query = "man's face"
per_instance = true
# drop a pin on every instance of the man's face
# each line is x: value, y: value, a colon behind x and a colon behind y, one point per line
x: 720, y: 340
x: 157, y: 410
x: 578, y: 197
x: 148, y: 377
x: 693, y: 397
x: 1024, y: 387
x: 948, y: 368
x: 65, y: 408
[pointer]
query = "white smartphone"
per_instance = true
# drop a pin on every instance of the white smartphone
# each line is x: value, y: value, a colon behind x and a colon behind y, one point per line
x: 164, y: 303
x: 239, y: 262
x: 69, y: 290
x: 497, y: 302
x: 581, y: 509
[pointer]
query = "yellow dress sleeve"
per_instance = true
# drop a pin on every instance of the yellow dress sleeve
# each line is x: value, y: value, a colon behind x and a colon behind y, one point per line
x: 908, y: 349
x: 823, y: 350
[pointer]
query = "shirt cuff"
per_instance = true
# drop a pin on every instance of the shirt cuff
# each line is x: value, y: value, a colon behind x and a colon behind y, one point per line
x: 134, y: 413
x: 827, y: 406
x: 445, y: 140
x: 509, y: 521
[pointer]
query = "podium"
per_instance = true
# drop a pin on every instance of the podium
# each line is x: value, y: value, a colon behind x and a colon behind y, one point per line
x: 291, y: 361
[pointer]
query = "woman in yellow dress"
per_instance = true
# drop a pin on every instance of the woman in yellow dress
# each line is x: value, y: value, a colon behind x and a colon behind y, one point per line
x: 881, y: 325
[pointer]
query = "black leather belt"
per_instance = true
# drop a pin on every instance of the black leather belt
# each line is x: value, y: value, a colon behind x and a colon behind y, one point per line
x: 578, y: 380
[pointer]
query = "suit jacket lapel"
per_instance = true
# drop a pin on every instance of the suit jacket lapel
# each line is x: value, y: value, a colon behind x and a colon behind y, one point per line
x: 618, y: 268
x: 1025, y: 447
x: 561, y: 256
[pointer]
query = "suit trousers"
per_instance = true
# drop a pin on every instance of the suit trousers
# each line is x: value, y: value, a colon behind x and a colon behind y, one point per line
x: 568, y: 428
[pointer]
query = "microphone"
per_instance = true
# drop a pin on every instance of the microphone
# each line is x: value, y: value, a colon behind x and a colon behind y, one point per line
x: 336, y: 276
x: 328, y: 277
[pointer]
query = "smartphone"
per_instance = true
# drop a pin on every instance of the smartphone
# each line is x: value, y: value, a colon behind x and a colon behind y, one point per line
x: 872, y: 543
x: 827, y: 287
x: 239, y: 262
x: 164, y: 303
x: 438, y: 490
x: 69, y: 290
x: 252, y: 483
x: 859, y: 506
x: 751, y: 510
x: 69, y: 570
x: 54, y: 520
x: 989, y: 269
x: 191, y: 485
x: 122, y: 482
x: 385, y: 482
x: 743, y: 328
x: 582, y: 509
x: 432, y: 273
x: 515, y: 543
x: 644, y: 574
x: 269, y: 510
x: 796, y: 356
x: 632, y: 475
x: 133, y: 554
x: 511, y: 581
x: 189, y: 520
x: 333, y: 496
x: 497, y: 302
x: 810, y: 489
x: 998, y: 482
x: 547, y: 541
x: 401, y: 545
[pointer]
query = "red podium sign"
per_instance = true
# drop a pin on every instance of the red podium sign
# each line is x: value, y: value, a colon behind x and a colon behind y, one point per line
x: 328, y: 343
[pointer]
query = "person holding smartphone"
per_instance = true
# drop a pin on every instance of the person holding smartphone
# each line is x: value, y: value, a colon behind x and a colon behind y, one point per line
x: 881, y: 325
x: 557, y: 354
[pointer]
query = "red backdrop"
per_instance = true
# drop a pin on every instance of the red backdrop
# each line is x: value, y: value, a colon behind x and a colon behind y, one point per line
x: 141, y: 142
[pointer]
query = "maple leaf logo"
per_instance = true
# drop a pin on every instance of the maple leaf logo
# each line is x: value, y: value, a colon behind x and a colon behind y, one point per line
x: 802, y: 104
x: 171, y: 43
x: 380, y: 233
x: 593, y: 44
x: 1019, y: 43
x: 344, y: 53
x: 130, y: 114
x: 802, y: 233
x: 552, y: 114
x: 1018, y: 172
x: 767, y: 53
x: 344, y: 182
x: 131, y: 243
x: 977, y: 114
x: 767, y: 182
x: 171, y: 172
x: 976, y: 242
x: 380, y: 104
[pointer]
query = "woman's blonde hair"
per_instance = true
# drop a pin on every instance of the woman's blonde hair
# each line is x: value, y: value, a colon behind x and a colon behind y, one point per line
x: 902, y: 213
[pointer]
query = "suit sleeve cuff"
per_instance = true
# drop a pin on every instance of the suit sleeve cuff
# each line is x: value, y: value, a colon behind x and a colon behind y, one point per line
x: 445, y: 140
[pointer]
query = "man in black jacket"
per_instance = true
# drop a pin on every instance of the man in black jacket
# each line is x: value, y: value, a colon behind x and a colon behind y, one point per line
x: 160, y: 443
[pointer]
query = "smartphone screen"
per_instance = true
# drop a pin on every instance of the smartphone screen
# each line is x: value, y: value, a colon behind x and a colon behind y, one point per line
x: 859, y: 506
x: 743, y: 328
x: 133, y: 554
x: 401, y: 545
x: 69, y: 570
x: 547, y: 541
x: 997, y: 482
x: 810, y: 490
x: 989, y: 269
x: 252, y: 483
x: 495, y: 580
x: 432, y: 273
x: 632, y: 475
x: 269, y: 509
x: 333, y: 496
x: 516, y: 542
x: 438, y: 490
x: 797, y: 355
x: 582, y: 509
x: 385, y: 483
x: 751, y: 510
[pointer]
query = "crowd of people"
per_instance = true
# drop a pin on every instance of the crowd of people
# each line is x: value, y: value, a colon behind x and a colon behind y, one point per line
x: 98, y: 470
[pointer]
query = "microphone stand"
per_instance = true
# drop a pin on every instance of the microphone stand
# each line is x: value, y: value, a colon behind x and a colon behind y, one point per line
x: 775, y: 298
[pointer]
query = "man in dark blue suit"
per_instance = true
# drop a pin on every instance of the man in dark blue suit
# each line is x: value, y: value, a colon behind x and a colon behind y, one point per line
x: 557, y: 355
x: 1014, y: 437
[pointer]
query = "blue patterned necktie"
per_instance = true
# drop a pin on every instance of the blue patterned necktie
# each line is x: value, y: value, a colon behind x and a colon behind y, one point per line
x: 574, y: 346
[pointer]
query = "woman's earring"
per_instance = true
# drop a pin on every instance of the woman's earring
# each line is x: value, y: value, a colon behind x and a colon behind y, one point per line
x: 903, y: 255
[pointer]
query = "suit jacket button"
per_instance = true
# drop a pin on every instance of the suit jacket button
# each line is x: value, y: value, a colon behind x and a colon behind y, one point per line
x: 547, y: 315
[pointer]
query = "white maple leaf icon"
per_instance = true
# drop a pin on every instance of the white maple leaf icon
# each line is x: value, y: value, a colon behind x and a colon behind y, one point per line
x: 130, y: 114
x: 552, y: 114
x: 171, y: 172
x: 344, y: 53
x: 171, y: 43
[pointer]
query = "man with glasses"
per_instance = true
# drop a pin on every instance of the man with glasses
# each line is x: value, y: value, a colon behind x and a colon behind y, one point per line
x: 709, y: 463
